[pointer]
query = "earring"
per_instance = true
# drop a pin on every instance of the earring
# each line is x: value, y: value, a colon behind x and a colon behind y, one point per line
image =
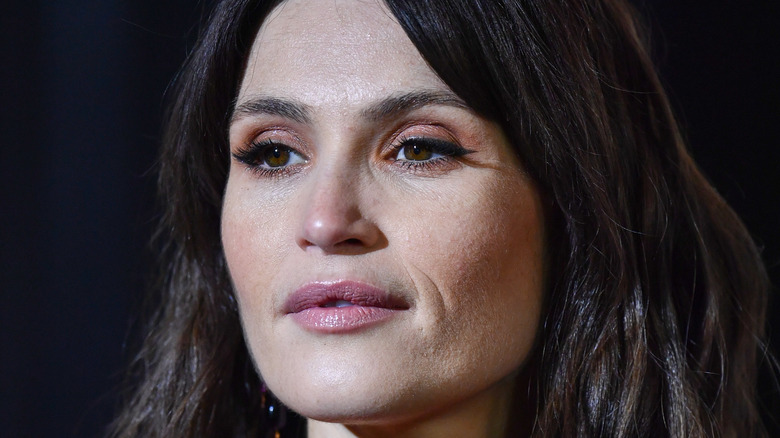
x: 274, y: 412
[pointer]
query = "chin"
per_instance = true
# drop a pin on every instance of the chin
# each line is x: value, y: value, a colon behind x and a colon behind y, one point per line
x: 337, y: 405
x: 338, y: 395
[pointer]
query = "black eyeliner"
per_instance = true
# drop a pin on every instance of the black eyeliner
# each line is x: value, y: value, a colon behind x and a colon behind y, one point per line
x: 439, y: 146
x: 251, y: 153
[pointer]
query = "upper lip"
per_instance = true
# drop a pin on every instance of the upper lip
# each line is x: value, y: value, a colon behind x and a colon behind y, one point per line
x: 319, y: 294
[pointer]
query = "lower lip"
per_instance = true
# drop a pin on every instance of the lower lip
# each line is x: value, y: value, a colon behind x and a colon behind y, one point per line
x: 342, y: 319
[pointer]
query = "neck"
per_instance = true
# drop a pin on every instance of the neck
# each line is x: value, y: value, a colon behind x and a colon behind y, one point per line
x: 493, y: 413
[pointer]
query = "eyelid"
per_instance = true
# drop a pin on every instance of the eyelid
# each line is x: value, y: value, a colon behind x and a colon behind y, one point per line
x: 249, y: 153
x: 279, y: 133
x: 417, y: 128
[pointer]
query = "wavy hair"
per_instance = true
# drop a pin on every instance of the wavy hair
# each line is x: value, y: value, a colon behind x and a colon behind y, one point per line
x: 654, y: 315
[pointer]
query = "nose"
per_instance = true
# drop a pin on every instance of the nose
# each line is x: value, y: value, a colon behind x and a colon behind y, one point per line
x: 334, y: 217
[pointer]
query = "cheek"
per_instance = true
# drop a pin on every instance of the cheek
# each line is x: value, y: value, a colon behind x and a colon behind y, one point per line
x: 250, y: 240
x: 487, y: 238
x: 483, y: 256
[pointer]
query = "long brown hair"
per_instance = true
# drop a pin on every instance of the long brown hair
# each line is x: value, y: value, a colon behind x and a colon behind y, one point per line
x: 655, y: 313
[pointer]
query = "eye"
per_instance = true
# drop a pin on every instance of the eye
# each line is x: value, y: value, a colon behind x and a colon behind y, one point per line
x: 277, y: 156
x: 415, y: 152
x: 269, y: 156
x: 419, y: 150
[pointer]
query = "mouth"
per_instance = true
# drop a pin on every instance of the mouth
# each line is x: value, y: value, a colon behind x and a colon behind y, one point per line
x: 338, y: 303
x: 342, y: 306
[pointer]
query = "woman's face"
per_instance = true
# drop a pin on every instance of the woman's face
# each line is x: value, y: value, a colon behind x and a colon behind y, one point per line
x: 385, y: 245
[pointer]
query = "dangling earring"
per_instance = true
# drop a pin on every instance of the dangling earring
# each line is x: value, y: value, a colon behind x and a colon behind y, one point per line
x: 275, y: 414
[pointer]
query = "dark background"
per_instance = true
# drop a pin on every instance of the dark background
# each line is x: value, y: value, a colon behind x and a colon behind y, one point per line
x: 82, y: 90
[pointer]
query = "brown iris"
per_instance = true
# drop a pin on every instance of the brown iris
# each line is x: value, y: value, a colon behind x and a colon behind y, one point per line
x: 276, y: 156
x: 417, y: 153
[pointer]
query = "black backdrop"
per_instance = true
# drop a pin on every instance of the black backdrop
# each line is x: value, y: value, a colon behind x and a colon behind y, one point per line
x: 82, y: 85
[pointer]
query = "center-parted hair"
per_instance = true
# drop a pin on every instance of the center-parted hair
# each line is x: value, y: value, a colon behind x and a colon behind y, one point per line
x: 654, y: 307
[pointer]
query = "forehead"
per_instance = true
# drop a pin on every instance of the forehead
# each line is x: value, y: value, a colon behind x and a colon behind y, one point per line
x: 334, y: 53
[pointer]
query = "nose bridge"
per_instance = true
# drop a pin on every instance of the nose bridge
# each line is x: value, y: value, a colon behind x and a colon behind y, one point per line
x: 333, y: 214
x: 334, y: 191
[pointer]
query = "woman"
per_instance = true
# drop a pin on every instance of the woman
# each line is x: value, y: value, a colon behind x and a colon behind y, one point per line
x: 454, y: 218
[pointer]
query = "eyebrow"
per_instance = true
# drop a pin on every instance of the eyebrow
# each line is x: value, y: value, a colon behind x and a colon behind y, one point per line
x: 386, y: 108
x: 287, y: 108
x: 404, y: 103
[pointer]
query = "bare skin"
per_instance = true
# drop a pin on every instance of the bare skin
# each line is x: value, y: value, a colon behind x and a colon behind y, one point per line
x: 353, y: 162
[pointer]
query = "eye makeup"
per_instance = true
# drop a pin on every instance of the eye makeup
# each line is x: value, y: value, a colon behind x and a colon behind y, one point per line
x: 427, y: 146
x: 269, y: 158
x: 421, y: 153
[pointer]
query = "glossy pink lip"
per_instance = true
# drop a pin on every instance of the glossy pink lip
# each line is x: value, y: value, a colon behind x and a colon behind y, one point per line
x: 341, y: 306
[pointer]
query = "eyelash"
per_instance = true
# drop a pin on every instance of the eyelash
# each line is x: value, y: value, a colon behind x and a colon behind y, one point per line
x: 252, y: 155
x: 448, y: 151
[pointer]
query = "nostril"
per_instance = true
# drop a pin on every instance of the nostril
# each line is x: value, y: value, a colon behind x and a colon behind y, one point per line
x: 353, y: 242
